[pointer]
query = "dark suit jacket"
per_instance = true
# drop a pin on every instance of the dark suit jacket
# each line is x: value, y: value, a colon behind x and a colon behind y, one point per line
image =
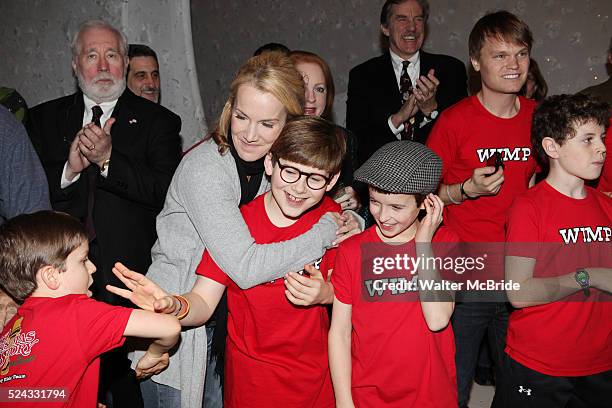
x: 146, y: 151
x: 373, y: 96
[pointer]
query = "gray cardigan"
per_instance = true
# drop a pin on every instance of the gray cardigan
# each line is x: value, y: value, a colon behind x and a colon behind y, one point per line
x: 201, y: 212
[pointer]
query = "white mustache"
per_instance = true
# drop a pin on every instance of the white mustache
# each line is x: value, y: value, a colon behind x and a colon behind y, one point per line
x: 103, y: 76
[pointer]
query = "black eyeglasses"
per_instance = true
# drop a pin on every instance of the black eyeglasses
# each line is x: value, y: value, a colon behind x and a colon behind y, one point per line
x: 290, y: 175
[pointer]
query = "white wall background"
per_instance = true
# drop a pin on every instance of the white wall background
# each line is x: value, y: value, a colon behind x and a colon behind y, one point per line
x: 571, y: 36
x: 571, y: 40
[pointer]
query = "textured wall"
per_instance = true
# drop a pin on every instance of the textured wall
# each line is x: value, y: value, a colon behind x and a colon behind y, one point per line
x: 571, y: 39
x: 571, y: 36
x: 35, y: 50
x: 165, y: 26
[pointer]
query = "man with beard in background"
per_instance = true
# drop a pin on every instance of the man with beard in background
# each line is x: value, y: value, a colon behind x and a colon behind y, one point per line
x: 109, y: 156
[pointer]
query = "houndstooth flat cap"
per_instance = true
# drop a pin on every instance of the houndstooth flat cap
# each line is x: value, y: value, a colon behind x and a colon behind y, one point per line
x: 402, y: 167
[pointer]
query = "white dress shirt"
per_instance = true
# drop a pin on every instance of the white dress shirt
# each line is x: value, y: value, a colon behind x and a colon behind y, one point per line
x: 413, y: 69
x: 413, y: 72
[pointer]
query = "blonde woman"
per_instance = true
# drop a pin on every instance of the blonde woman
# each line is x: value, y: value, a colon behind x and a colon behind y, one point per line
x: 201, y: 212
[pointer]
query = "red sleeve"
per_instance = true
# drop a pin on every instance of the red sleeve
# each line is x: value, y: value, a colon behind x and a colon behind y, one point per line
x: 442, y: 141
x: 328, y: 261
x: 522, y: 229
x: 329, y: 258
x: 100, y: 326
x: 209, y: 269
x: 445, y: 244
x: 329, y: 205
x: 341, y: 277
x: 445, y: 234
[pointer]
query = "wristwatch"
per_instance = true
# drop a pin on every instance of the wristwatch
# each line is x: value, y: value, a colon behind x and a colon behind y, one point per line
x: 104, y: 165
x: 582, y: 277
x: 433, y: 114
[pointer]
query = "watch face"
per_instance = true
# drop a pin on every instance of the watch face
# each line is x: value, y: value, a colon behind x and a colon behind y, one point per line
x: 434, y: 114
x: 582, y: 277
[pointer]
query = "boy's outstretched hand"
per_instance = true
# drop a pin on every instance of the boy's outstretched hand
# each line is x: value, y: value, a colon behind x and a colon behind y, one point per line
x: 428, y: 225
x: 306, y: 291
x: 142, y: 291
x: 151, y: 364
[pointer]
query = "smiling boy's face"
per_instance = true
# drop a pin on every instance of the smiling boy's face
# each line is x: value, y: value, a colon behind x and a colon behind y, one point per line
x: 77, y: 279
x: 288, y: 201
x: 395, y: 215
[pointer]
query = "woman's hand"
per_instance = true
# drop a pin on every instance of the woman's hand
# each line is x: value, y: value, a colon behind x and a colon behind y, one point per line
x: 142, y: 291
x: 347, y: 226
x: 347, y: 198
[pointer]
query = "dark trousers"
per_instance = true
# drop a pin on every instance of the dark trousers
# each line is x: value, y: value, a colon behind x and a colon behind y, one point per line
x: 118, y: 385
x: 527, y: 388
x: 470, y: 323
x: 120, y: 388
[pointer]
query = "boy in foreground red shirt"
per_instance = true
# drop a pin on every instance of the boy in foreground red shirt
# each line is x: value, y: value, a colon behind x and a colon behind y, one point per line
x: 559, y: 249
x: 49, y: 351
x: 389, y: 346
x: 276, y: 351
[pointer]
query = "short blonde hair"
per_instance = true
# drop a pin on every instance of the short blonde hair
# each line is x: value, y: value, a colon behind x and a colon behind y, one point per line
x: 271, y: 72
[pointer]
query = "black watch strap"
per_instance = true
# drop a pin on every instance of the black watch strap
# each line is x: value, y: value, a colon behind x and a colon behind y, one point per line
x: 463, y: 193
x: 583, y: 279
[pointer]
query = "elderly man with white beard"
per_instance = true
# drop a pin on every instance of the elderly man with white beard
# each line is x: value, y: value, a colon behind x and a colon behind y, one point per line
x: 109, y: 156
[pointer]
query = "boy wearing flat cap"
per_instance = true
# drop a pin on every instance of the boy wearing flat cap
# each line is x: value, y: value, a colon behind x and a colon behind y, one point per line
x: 390, y: 343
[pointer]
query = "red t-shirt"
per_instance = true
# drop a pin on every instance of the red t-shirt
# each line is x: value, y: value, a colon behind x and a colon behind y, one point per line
x: 570, y: 337
x: 605, y: 180
x: 464, y: 137
x: 396, y: 360
x: 276, y: 352
x: 56, y: 342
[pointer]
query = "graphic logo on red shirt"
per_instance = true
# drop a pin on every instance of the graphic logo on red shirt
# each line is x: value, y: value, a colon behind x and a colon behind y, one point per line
x: 396, y: 286
x: 15, y: 343
x: 588, y: 234
x: 515, y: 154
